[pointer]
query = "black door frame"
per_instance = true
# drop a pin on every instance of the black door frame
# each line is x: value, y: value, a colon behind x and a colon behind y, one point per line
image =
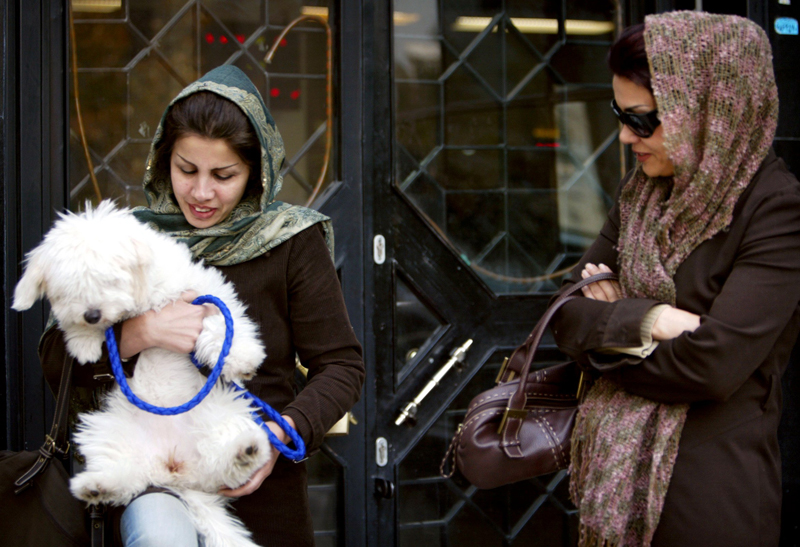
x: 343, y: 202
x: 34, y: 137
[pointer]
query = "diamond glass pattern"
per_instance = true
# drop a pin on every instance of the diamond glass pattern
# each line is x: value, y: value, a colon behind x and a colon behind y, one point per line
x: 134, y: 60
x: 503, y: 147
x: 324, y: 474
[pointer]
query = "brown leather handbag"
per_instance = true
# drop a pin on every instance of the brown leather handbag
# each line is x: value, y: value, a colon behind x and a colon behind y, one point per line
x: 521, y: 428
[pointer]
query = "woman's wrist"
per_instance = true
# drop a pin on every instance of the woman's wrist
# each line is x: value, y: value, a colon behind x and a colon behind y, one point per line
x: 133, y: 336
x: 673, y: 322
x: 286, y: 439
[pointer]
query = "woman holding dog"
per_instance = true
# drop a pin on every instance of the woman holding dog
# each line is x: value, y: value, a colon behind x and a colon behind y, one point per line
x: 211, y: 180
x: 676, y: 442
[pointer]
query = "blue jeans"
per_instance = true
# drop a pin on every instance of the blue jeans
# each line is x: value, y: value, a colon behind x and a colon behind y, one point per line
x: 158, y: 520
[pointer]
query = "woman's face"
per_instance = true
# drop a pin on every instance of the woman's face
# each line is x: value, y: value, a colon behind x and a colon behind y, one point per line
x: 208, y: 179
x: 650, y: 152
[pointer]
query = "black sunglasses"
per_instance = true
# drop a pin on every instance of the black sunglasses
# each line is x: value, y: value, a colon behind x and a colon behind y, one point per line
x: 642, y: 125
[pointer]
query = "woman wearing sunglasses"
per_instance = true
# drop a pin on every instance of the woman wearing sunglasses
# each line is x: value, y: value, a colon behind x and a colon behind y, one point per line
x: 676, y: 441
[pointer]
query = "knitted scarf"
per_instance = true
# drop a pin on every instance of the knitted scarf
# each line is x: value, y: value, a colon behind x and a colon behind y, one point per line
x: 715, y: 91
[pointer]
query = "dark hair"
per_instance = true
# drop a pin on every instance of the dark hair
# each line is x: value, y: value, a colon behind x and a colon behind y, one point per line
x: 209, y: 115
x: 627, y: 57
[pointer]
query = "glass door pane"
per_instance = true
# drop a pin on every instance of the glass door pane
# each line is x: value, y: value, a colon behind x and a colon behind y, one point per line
x: 506, y: 150
x: 134, y: 56
x: 504, y: 140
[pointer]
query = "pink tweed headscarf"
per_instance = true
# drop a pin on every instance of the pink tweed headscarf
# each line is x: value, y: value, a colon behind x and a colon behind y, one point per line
x: 717, y: 100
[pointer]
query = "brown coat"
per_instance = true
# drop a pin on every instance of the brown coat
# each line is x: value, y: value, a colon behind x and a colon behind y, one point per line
x: 293, y: 293
x: 745, y: 285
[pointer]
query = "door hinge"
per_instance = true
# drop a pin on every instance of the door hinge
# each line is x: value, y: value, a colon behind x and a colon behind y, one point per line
x: 379, y: 249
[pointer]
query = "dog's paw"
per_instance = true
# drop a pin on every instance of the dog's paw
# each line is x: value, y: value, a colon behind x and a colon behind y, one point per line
x: 209, y: 343
x: 94, y: 488
x: 247, y: 455
x: 251, y: 451
x: 244, y: 359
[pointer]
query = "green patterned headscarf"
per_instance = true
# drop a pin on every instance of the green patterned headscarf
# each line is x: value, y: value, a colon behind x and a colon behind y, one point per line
x: 258, y: 223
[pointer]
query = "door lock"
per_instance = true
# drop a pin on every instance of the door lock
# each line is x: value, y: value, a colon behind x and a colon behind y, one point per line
x: 384, y: 489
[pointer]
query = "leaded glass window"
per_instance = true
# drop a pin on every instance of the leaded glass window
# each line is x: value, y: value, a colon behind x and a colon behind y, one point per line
x: 134, y: 56
x: 504, y: 140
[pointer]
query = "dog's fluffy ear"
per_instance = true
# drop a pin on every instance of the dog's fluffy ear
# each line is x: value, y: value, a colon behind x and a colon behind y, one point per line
x: 31, y: 286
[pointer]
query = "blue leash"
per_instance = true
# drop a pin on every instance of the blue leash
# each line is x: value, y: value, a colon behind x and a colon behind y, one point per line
x: 116, y: 367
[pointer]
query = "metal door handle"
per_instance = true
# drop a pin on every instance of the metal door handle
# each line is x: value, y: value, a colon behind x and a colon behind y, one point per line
x: 410, y: 410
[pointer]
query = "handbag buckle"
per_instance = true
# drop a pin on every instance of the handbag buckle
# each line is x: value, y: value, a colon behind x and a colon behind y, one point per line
x: 581, y: 387
x: 511, y: 413
x: 502, y: 372
x: 51, y: 446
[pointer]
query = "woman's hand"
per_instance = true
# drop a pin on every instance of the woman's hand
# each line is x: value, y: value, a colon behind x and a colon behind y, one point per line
x: 673, y: 322
x: 670, y: 323
x: 175, y: 327
x: 254, y: 482
x: 604, y: 291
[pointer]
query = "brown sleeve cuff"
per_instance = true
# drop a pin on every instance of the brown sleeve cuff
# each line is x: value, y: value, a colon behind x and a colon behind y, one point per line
x: 622, y: 328
x: 303, y: 428
x: 647, y: 345
x: 623, y: 325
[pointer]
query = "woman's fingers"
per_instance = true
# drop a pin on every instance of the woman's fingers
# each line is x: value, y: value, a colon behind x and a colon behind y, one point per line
x: 606, y: 290
x: 254, y: 482
x: 207, y: 309
x: 176, y: 326
x: 611, y: 287
x: 587, y: 290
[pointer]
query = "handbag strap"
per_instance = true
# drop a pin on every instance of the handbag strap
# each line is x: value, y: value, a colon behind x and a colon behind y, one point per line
x: 515, y: 412
x: 56, y: 442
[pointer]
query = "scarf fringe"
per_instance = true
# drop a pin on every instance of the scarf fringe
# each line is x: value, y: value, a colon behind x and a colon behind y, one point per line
x: 623, y: 452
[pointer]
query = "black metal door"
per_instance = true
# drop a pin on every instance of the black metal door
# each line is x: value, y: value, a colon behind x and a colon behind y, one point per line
x: 493, y: 157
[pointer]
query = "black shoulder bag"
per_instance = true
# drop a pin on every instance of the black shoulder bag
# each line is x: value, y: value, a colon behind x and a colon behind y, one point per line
x: 36, y: 505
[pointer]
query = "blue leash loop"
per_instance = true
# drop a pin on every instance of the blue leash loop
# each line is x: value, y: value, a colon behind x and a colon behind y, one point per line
x: 296, y: 454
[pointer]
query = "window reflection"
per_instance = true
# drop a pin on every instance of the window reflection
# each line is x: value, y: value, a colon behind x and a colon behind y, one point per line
x: 416, y: 327
x: 502, y: 140
x: 134, y: 56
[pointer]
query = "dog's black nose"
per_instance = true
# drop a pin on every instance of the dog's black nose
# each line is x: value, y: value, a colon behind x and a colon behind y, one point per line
x: 92, y: 316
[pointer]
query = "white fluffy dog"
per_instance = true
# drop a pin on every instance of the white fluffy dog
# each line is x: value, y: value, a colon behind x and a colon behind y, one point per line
x: 99, y: 268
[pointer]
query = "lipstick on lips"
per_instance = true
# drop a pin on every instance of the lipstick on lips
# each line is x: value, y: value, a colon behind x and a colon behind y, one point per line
x: 202, y: 213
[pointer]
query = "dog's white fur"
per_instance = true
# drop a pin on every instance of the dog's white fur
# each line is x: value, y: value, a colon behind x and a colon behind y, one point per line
x: 105, y: 261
